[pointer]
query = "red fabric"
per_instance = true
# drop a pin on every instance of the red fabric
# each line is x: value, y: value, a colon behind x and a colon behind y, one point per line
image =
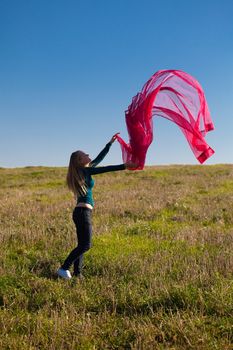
x: 174, y: 95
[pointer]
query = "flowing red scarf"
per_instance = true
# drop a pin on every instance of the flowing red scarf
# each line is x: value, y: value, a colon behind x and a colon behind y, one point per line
x: 174, y: 95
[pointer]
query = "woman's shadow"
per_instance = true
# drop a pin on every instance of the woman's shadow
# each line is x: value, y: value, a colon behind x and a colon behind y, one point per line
x: 45, y: 269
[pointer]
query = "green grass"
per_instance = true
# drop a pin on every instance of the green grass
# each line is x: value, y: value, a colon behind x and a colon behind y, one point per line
x: 159, y: 274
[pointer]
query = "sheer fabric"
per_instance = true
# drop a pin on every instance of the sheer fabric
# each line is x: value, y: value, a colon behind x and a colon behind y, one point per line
x: 174, y: 95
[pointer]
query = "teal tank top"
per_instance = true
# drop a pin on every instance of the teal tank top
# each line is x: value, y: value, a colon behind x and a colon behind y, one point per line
x: 93, y: 170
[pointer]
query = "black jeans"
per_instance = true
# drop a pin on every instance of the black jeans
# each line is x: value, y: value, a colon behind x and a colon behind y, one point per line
x: 82, y: 219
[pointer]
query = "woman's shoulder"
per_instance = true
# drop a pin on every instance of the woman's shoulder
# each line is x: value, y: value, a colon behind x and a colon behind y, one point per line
x: 86, y: 170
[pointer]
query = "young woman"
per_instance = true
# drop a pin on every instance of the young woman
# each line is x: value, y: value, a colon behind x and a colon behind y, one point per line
x: 80, y: 182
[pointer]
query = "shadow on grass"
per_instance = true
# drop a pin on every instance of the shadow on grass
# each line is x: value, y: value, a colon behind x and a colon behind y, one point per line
x: 45, y: 269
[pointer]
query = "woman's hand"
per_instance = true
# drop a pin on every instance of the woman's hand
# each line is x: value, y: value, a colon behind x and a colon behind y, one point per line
x: 131, y: 165
x: 114, y: 137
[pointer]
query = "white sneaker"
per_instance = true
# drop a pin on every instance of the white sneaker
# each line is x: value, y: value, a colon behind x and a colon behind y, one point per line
x: 64, y: 273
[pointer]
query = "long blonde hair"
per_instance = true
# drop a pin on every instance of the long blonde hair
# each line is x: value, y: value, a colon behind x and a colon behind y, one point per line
x: 75, y: 177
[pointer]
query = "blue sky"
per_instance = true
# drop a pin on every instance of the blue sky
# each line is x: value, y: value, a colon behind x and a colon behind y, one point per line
x: 69, y: 69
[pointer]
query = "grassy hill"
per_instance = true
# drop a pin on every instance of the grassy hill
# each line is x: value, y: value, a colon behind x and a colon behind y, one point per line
x: 159, y: 274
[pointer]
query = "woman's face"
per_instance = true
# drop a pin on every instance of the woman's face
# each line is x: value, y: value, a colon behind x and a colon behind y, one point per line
x: 84, y: 158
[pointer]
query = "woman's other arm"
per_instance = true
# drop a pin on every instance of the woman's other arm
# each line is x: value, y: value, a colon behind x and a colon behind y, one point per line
x: 104, y: 152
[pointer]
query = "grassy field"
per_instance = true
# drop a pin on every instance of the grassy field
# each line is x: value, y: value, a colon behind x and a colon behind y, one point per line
x: 159, y: 274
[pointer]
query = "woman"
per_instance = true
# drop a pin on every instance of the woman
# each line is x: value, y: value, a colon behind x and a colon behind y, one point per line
x: 80, y: 182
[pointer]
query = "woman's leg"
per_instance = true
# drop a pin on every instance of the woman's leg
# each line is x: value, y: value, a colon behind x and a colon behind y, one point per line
x: 82, y: 220
x: 78, y: 264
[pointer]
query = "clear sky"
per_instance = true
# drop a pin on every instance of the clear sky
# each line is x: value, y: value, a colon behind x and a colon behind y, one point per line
x: 69, y: 69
